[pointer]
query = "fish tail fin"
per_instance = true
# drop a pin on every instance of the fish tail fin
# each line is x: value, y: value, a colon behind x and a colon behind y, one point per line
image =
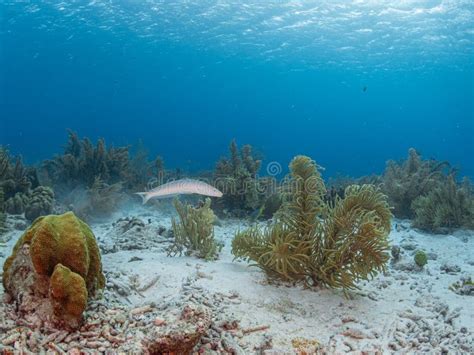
x: 145, y: 197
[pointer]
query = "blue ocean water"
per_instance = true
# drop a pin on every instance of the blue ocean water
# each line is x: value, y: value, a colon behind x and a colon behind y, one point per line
x: 349, y: 83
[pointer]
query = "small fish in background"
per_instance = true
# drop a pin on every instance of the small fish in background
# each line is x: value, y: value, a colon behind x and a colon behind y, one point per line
x: 255, y: 215
x: 180, y: 187
x: 364, y: 89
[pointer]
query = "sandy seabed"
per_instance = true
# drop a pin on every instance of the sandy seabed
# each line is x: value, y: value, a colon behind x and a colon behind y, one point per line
x: 404, y: 310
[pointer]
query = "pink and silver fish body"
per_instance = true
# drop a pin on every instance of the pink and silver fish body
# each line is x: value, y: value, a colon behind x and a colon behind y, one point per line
x: 180, y: 187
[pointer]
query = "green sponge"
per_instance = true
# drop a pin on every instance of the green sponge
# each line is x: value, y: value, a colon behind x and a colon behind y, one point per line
x: 420, y: 258
x: 62, y: 239
x: 62, y: 251
x: 68, y: 292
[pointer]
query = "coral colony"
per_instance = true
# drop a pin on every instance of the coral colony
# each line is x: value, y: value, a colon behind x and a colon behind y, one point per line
x: 68, y: 291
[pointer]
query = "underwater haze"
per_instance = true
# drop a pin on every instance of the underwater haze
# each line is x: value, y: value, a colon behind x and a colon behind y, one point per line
x: 349, y: 83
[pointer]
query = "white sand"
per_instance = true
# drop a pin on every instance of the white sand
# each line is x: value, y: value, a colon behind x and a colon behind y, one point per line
x: 368, y: 321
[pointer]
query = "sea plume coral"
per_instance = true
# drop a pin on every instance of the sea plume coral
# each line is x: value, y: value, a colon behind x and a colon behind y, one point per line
x: 194, y: 232
x: 82, y: 163
x: 236, y: 176
x: 333, y: 246
x: 353, y: 243
x: 89, y: 178
x: 446, y: 207
x: 427, y: 192
x: 15, y: 178
x: 404, y: 182
x: 2, y: 214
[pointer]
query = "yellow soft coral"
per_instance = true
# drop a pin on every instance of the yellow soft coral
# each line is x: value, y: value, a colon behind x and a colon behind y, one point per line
x: 331, y: 245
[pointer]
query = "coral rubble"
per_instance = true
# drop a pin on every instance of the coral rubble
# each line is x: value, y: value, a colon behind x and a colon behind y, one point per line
x: 316, y: 243
x: 55, y: 267
x: 182, y: 335
x: 132, y: 233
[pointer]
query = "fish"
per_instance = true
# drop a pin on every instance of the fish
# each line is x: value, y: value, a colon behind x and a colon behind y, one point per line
x: 255, y: 215
x: 180, y: 187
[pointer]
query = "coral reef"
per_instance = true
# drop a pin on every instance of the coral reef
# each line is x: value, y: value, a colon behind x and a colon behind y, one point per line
x: 40, y: 203
x: 445, y: 207
x: 57, y: 264
x: 337, y: 186
x: 82, y: 163
x: 237, y: 177
x: 17, y: 203
x: 316, y: 243
x: 195, y: 230
x: 427, y: 192
x: 269, y: 208
x: 36, y: 203
x: 143, y: 173
x: 2, y: 214
x: 406, y: 181
x: 14, y: 176
x: 93, y: 180
x: 19, y: 189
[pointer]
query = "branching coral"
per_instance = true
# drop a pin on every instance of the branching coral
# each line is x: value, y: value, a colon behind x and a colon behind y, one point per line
x: 237, y: 177
x: 92, y: 179
x: 82, y: 163
x: 16, y: 184
x: 337, y: 186
x: 142, y: 172
x: 2, y: 214
x: 87, y: 178
x: 15, y: 178
x: 194, y: 232
x: 404, y: 182
x: 447, y: 206
x: 427, y: 192
x: 353, y: 243
x: 315, y: 242
x: 55, y: 265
